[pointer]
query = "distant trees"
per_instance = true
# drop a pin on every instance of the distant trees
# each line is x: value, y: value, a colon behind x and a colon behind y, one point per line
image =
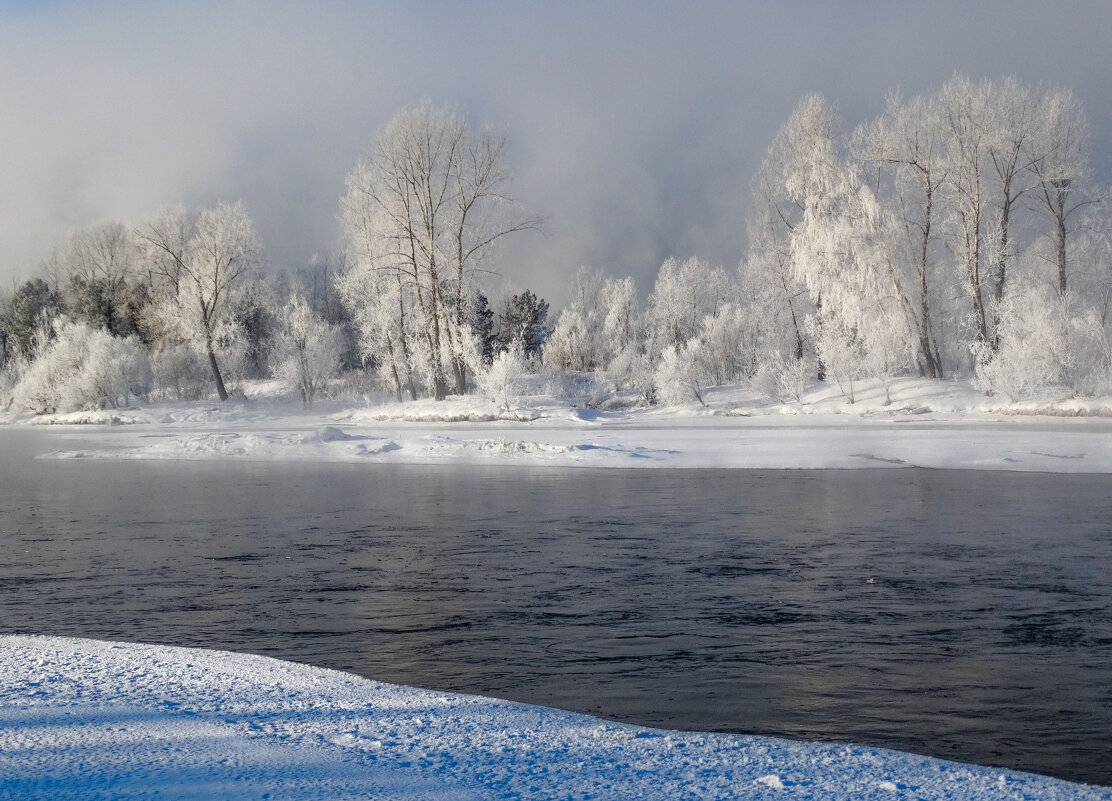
x: 919, y: 241
x: 958, y: 233
x: 599, y: 323
x: 873, y: 237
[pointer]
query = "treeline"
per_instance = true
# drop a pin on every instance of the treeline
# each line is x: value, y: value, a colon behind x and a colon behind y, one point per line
x: 957, y: 234
x: 960, y: 233
x: 75, y: 340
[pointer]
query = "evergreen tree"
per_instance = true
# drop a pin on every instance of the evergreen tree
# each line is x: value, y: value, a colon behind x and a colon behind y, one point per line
x: 483, y: 328
x: 33, y: 307
x: 522, y: 323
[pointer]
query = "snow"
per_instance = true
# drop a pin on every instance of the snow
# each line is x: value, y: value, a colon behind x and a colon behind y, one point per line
x: 927, y: 424
x: 89, y: 719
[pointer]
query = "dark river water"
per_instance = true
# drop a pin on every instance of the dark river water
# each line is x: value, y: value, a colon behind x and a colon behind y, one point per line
x: 966, y: 615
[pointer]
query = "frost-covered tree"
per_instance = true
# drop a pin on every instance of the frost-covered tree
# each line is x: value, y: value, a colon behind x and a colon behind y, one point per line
x: 722, y: 345
x: 839, y: 253
x: 195, y: 260
x: 903, y: 151
x: 599, y: 323
x: 683, y: 295
x: 425, y: 208
x: 575, y: 342
x: 784, y: 185
x: 620, y: 319
x: 966, y: 119
x: 380, y: 304
x: 96, y: 266
x: 1059, y: 162
x: 774, y: 304
x: 1014, y: 145
x: 306, y: 349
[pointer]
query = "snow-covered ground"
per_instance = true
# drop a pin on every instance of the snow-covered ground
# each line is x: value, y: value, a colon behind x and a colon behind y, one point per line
x: 927, y: 424
x: 83, y: 719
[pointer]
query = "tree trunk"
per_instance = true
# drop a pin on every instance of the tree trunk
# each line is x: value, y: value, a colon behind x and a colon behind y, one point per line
x: 820, y: 365
x: 223, y: 393
x: 394, y: 368
x: 973, y: 273
x: 1060, y: 235
x: 459, y: 370
x: 927, y: 345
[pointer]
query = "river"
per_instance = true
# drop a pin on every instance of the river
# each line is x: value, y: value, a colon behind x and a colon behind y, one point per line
x: 961, y: 614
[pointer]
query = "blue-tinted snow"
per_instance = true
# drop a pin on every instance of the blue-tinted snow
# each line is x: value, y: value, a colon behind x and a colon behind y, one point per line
x: 90, y: 719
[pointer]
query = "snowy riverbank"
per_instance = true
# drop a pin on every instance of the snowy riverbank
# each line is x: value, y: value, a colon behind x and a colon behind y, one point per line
x: 926, y: 424
x: 86, y: 719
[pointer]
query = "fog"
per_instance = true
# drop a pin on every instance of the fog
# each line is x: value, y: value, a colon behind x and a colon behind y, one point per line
x: 635, y: 128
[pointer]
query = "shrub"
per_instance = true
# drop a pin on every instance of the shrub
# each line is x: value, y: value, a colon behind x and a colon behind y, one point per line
x: 83, y: 368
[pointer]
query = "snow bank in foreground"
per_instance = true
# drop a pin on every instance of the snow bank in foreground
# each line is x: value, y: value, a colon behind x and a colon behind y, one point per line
x: 86, y: 719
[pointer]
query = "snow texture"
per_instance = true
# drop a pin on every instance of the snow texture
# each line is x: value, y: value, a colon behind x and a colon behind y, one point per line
x: 83, y: 719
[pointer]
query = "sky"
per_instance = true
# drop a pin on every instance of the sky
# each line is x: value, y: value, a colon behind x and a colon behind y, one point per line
x: 635, y: 128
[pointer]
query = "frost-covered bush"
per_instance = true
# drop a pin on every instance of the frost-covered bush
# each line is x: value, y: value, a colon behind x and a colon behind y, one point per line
x: 636, y: 371
x: 1093, y: 352
x: 502, y: 381
x: 1044, y: 345
x: 682, y: 375
x: 842, y: 353
x: 83, y: 368
x: 783, y: 378
x: 620, y: 371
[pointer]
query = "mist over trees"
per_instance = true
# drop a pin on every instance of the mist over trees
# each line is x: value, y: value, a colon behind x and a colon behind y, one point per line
x: 957, y: 235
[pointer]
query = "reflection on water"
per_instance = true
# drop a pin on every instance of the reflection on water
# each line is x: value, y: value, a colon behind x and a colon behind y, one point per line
x: 964, y: 615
